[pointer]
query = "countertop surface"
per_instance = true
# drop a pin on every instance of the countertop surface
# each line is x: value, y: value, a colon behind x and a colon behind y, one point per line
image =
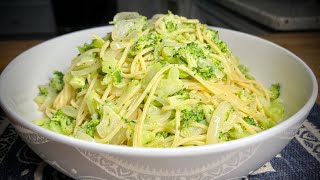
x: 304, y: 44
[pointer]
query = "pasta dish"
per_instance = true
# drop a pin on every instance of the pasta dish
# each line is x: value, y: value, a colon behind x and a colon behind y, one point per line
x: 167, y: 81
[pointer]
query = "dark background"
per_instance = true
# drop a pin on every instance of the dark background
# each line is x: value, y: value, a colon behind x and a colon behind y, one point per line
x: 43, y: 19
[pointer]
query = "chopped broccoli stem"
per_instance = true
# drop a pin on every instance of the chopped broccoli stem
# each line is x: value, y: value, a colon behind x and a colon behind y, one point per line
x: 274, y: 91
x: 171, y: 26
x: 276, y: 110
x: 245, y: 71
x: 163, y: 134
x: 84, y: 48
x: 57, y: 82
x: 90, y: 126
x: 189, y: 53
x: 43, y: 90
x: 60, y: 121
x: 191, y: 115
x: 145, y: 41
x: 117, y: 77
x: 250, y: 120
x: 183, y: 92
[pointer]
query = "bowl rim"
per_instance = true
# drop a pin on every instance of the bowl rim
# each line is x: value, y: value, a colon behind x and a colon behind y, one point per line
x: 163, y: 152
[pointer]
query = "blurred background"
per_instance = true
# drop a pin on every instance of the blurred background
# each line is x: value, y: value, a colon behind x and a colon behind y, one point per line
x: 42, y: 19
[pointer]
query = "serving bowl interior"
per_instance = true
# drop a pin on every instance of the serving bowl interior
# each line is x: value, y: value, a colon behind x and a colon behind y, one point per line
x: 268, y: 62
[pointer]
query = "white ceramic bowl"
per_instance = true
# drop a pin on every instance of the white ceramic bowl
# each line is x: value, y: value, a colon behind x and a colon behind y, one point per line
x: 79, y: 159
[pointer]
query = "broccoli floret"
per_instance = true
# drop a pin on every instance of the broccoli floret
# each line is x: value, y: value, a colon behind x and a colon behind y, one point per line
x: 191, y: 115
x: 113, y: 74
x: 57, y: 82
x: 214, y: 36
x: 171, y: 26
x: 109, y: 65
x: 90, y: 126
x: 60, y: 121
x: 223, y: 47
x: 237, y: 132
x: 106, y: 80
x: 163, y: 134
x: 145, y: 41
x: 276, y: 110
x: 117, y: 77
x: 96, y: 43
x: 189, y: 54
x: 193, y: 55
x: 250, y: 120
x: 184, y: 93
x: 43, y: 90
x: 205, y: 69
x: 244, y: 70
x: 224, y: 137
x: 171, y: 22
x: 84, y: 48
x: 274, y: 91
x: 86, y: 86
x: 40, y: 99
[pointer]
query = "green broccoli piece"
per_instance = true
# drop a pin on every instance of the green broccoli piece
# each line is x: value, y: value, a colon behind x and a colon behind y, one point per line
x: 84, y: 48
x: 171, y: 22
x: 184, y: 93
x: 223, y: 47
x: 193, y: 55
x: 117, y: 77
x: 90, y: 126
x: 237, y: 133
x: 205, y: 69
x: 191, y: 115
x: 62, y: 123
x: 96, y: 43
x: 50, y: 89
x: 250, y: 120
x: 43, y: 90
x: 57, y: 82
x: 276, y: 110
x: 224, y: 137
x: 86, y: 86
x: 145, y: 41
x: 55, y: 126
x: 171, y: 26
x: 244, y: 70
x: 274, y: 91
x: 163, y: 134
x: 214, y: 36
x: 189, y: 54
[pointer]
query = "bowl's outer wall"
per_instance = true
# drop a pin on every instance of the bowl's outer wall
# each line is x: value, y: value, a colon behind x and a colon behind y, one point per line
x: 84, y: 164
x: 267, y: 62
